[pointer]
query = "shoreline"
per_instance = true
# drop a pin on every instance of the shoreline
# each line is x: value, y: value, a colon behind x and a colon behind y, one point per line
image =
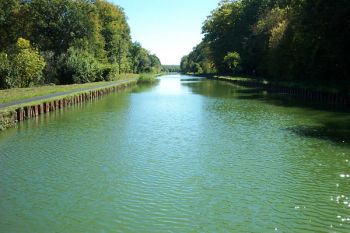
x: 338, y: 99
x: 33, y: 107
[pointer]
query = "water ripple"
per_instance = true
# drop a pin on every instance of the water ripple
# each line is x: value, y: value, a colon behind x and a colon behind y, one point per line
x: 194, y: 159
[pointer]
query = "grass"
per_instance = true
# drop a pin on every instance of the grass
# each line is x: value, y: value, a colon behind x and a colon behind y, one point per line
x: 7, y: 110
x: 14, y: 94
x: 236, y: 78
x: 7, y: 113
x: 147, y: 78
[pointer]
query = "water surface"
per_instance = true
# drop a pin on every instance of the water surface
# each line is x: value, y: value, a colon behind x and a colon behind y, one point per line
x: 183, y: 155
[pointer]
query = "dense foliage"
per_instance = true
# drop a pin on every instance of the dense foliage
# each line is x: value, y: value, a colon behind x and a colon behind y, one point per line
x: 304, y: 40
x: 23, y: 67
x: 67, y: 41
x: 171, y: 68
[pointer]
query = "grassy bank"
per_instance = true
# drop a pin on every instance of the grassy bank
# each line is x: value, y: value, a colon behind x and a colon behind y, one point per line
x: 66, y: 95
x: 14, y: 94
x: 148, y: 78
x: 9, y: 116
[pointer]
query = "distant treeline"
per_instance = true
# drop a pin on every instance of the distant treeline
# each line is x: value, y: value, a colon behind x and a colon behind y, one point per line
x: 67, y: 41
x: 299, y: 40
x: 171, y: 68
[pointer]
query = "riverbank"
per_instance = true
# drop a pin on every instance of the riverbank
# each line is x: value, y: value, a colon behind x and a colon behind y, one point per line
x: 319, y: 93
x: 25, y: 108
x: 16, y: 94
x: 148, y: 78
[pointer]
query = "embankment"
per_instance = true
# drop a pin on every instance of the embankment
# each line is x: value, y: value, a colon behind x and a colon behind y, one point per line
x: 9, y: 116
x: 338, y: 99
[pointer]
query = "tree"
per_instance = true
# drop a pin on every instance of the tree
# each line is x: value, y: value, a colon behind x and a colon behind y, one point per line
x: 116, y: 34
x: 57, y: 24
x: 4, y: 70
x: 184, y: 64
x: 80, y: 66
x: 26, y: 65
x: 200, y: 55
x: 80, y: 40
x: 233, y: 60
x: 142, y: 61
x: 282, y: 39
x: 11, y: 22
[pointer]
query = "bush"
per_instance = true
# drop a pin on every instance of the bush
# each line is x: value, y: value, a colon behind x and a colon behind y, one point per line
x: 4, y: 70
x: 51, y: 72
x: 26, y: 65
x: 233, y: 61
x: 146, y: 78
x: 107, y: 72
x: 197, y: 69
x: 81, y: 66
x: 114, y: 72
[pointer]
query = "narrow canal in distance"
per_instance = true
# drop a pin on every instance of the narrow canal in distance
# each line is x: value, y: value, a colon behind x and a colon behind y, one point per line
x: 182, y: 155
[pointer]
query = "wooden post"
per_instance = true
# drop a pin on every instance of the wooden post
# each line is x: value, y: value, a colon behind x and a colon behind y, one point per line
x: 25, y: 114
x: 36, y: 110
x: 19, y: 114
x: 41, y: 109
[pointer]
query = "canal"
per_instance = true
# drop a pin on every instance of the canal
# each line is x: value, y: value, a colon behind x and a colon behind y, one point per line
x: 183, y: 155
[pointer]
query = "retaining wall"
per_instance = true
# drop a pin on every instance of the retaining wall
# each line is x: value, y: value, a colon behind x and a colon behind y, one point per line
x: 340, y: 100
x: 11, y: 117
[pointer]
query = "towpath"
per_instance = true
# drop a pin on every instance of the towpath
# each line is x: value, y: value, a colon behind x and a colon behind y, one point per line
x: 43, y: 97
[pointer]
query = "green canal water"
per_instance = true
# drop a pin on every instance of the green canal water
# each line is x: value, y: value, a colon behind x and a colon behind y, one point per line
x: 183, y: 155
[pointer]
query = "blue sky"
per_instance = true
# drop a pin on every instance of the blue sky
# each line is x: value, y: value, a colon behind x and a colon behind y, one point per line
x: 167, y: 28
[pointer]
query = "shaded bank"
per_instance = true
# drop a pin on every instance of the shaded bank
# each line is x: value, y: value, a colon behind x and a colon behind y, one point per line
x: 331, y: 123
x: 339, y: 100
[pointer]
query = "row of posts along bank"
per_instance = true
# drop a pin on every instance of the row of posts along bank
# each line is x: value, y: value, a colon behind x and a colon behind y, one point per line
x: 10, y: 118
x: 338, y: 100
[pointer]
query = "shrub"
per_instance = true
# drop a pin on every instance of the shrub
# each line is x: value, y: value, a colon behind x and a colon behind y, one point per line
x: 51, y: 72
x: 233, y: 61
x: 26, y: 65
x: 107, y: 72
x: 81, y: 66
x: 4, y: 70
x: 113, y: 72
x: 197, y: 68
x: 146, y: 78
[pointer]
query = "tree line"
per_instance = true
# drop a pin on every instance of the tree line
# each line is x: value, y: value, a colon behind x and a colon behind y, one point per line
x: 171, y: 68
x: 299, y: 40
x: 67, y: 41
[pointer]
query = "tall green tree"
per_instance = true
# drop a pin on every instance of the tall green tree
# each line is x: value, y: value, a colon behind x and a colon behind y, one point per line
x: 12, y: 20
x: 301, y: 40
x: 116, y: 33
x: 80, y: 41
x: 24, y: 67
x: 142, y: 60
